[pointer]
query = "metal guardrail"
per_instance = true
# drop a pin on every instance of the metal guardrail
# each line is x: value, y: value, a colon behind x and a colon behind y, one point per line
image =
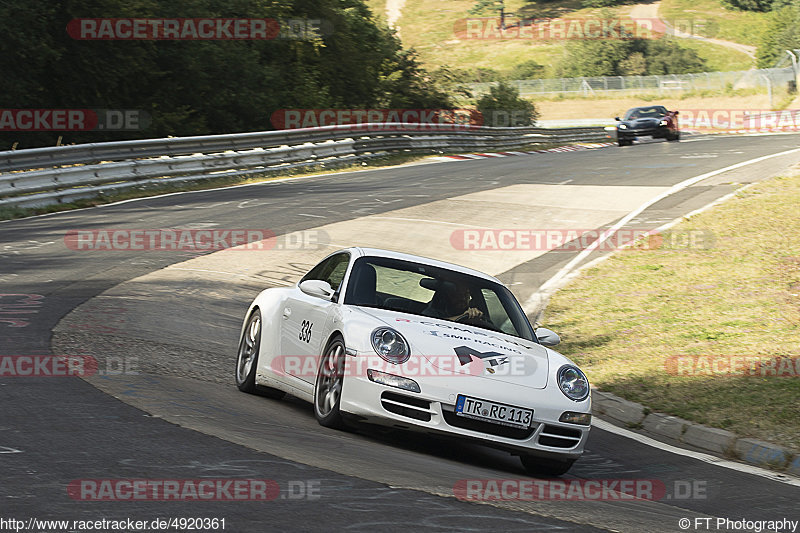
x: 42, y: 176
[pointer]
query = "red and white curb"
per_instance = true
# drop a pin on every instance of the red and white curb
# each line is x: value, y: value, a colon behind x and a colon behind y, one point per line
x: 488, y: 155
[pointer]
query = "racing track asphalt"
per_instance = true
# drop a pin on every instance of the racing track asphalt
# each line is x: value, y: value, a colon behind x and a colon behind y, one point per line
x: 58, y: 430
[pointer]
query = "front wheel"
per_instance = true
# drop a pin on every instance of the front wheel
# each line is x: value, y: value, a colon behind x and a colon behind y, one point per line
x: 675, y: 137
x: 329, y: 384
x: 549, y: 467
x: 247, y: 359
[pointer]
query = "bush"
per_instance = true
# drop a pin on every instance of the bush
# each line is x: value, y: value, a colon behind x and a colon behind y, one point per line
x: 782, y: 33
x: 600, y: 3
x: 630, y: 57
x: 527, y: 70
x: 749, y: 5
x: 447, y: 75
x: 503, y: 107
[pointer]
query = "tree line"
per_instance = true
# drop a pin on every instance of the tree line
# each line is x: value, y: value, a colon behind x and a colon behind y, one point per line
x: 195, y: 87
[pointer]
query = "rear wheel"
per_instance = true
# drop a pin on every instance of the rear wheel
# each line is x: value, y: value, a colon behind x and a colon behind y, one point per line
x: 549, y: 467
x: 329, y: 384
x: 247, y: 359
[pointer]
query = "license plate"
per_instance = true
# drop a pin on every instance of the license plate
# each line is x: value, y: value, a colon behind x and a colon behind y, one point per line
x: 498, y: 413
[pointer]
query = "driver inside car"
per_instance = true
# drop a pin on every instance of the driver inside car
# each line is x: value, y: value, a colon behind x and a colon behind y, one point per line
x: 451, y: 302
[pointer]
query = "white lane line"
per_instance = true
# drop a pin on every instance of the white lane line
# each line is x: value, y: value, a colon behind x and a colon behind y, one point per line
x: 538, y: 298
x: 6, y: 449
x: 427, y: 221
x: 739, y: 467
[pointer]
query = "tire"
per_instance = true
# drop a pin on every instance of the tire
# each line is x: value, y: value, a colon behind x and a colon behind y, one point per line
x: 247, y: 359
x: 329, y: 384
x: 549, y: 467
x: 676, y: 137
x: 624, y: 142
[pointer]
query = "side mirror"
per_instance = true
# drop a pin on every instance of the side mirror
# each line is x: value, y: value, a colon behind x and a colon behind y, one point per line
x: 675, y: 112
x: 616, y: 118
x: 317, y: 287
x: 547, y: 337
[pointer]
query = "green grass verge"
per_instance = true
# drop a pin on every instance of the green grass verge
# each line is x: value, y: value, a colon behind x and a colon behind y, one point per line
x: 624, y: 318
x: 714, y: 20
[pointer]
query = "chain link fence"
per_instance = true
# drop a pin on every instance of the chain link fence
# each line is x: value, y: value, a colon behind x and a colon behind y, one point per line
x: 662, y: 85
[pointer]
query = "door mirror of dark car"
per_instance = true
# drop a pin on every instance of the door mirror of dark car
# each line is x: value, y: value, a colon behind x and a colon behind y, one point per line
x: 675, y: 112
x: 547, y: 337
x: 317, y: 287
x: 616, y: 118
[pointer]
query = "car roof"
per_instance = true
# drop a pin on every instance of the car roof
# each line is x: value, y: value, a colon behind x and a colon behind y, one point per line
x: 377, y: 252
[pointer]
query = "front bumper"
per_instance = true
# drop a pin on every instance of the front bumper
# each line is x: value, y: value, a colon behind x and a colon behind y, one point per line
x: 433, y: 411
x: 659, y: 132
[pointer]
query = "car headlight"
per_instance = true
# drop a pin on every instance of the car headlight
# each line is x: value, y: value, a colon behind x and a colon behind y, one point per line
x: 663, y: 123
x: 390, y: 345
x: 623, y: 126
x: 573, y: 383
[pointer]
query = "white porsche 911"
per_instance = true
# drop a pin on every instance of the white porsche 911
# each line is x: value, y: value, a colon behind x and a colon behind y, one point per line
x: 395, y: 339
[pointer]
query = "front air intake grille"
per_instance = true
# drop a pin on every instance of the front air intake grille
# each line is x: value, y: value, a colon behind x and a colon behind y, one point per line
x: 403, y: 405
x: 559, y: 437
x: 486, y: 427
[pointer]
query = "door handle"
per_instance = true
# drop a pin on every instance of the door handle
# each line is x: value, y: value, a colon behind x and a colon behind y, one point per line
x: 287, y: 312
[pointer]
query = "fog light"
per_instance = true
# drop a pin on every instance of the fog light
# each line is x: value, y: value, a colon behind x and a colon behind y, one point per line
x: 392, y: 381
x: 583, y: 419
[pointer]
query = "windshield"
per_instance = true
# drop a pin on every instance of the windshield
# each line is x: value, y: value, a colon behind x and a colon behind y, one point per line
x: 646, y: 112
x: 424, y: 290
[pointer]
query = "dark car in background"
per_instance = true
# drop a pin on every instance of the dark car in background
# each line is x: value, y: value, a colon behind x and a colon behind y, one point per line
x: 654, y: 121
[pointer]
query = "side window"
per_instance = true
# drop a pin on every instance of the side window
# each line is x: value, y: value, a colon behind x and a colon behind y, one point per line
x: 331, y: 270
x: 497, y: 313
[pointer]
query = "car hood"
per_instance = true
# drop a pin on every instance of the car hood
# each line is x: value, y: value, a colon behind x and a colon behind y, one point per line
x: 642, y: 123
x: 462, y: 349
